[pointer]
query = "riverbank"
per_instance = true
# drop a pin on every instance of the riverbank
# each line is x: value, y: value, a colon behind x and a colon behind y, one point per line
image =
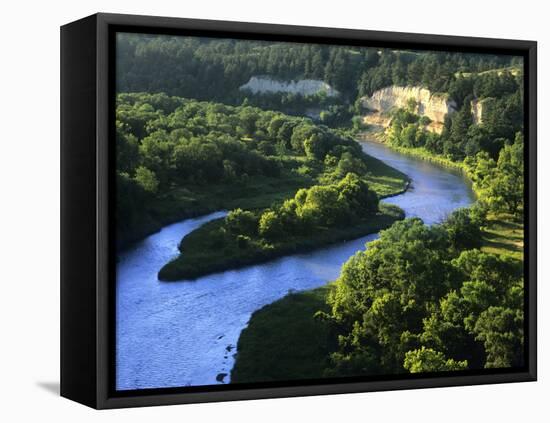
x: 418, y: 152
x: 285, y: 341
x: 208, y: 250
x: 198, y: 200
x: 503, y: 234
x: 205, y: 251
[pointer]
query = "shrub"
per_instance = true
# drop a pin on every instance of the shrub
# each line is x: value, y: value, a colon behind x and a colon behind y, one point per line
x: 241, y: 222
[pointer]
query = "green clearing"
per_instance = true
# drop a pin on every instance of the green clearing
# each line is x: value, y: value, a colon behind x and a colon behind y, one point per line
x: 196, y: 200
x: 383, y: 179
x: 503, y: 235
x: 283, y: 340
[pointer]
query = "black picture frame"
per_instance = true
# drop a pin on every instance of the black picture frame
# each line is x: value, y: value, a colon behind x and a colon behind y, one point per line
x: 87, y: 186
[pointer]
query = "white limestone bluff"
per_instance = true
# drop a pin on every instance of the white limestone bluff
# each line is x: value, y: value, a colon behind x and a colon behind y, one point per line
x: 480, y: 108
x: 433, y: 105
x: 265, y: 84
x: 477, y: 111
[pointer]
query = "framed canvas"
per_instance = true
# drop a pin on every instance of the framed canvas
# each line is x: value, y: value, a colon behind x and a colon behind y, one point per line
x: 257, y: 211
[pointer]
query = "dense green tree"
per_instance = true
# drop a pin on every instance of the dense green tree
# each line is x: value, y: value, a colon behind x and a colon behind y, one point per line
x: 427, y: 360
x: 321, y: 206
x: 464, y: 229
x: 506, y: 189
x: 127, y: 152
x: 349, y: 163
x: 271, y: 225
x: 241, y: 222
x: 355, y: 194
x: 501, y: 331
x: 381, y: 294
x: 146, y: 179
x: 418, y: 300
x: 315, y: 146
x: 500, y: 183
x: 214, y: 69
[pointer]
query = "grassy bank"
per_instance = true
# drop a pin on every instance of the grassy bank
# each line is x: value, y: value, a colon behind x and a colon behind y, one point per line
x: 503, y: 235
x: 383, y: 179
x: 418, y: 152
x: 283, y: 341
x: 196, y: 200
x: 254, y: 193
x: 208, y: 250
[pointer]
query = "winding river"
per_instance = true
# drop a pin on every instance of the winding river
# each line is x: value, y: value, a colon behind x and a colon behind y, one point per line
x: 180, y: 334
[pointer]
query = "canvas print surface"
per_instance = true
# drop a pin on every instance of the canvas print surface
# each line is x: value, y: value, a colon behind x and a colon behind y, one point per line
x: 291, y: 212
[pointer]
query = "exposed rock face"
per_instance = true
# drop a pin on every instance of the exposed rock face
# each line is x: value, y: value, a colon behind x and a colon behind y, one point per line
x: 376, y: 121
x: 477, y: 111
x: 264, y: 84
x: 480, y: 109
x: 434, y: 106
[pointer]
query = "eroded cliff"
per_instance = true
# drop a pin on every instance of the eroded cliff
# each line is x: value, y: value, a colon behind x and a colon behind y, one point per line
x: 264, y: 84
x: 480, y: 108
x: 434, y: 106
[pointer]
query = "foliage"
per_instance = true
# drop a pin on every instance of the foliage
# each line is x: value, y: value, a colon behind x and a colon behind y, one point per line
x: 501, y: 183
x: 491, y: 151
x: 501, y: 330
x: 242, y: 222
x: 146, y: 179
x: 464, y: 229
x: 214, y: 69
x: 421, y: 299
x: 427, y: 360
x: 212, y: 248
x: 320, y: 205
x: 315, y: 216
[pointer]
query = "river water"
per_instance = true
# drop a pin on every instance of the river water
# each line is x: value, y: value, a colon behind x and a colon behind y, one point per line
x: 174, y: 334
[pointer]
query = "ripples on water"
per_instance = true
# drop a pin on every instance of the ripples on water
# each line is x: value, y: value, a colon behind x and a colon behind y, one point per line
x: 184, y: 333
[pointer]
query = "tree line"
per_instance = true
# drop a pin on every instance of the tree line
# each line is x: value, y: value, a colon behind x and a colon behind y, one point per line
x: 213, y: 69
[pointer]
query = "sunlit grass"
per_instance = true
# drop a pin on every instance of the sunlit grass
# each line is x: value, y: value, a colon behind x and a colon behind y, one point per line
x: 503, y: 235
x: 284, y: 341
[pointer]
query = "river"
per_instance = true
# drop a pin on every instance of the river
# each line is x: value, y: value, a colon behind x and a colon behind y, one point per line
x: 174, y: 334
